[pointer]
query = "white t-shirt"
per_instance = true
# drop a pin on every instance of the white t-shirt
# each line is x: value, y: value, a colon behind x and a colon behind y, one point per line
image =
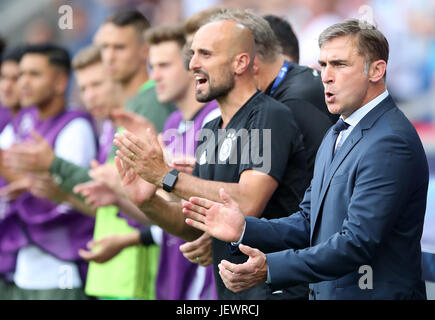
x: 7, y: 137
x: 36, y: 269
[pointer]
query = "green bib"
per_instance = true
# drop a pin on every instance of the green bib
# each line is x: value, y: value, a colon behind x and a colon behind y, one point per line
x: 132, y: 273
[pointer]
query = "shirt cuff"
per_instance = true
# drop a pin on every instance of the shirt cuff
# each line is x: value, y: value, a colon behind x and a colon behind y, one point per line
x: 157, y: 234
x: 268, y: 275
x: 146, y: 237
x: 235, y: 244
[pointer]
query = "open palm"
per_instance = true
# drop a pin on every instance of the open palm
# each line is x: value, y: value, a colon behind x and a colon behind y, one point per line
x: 223, y: 221
x: 135, y: 188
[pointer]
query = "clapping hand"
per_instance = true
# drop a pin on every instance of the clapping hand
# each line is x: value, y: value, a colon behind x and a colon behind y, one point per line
x: 36, y: 155
x: 223, y: 221
x: 135, y: 188
x: 226, y: 222
x: 145, y: 157
x: 198, y: 251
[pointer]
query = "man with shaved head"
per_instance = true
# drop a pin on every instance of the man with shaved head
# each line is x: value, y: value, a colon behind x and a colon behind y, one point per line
x: 254, y: 151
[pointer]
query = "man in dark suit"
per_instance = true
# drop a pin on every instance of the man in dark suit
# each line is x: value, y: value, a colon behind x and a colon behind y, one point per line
x: 357, y: 234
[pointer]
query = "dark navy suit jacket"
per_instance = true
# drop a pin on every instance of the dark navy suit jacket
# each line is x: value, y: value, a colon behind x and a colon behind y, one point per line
x: 365, y: 208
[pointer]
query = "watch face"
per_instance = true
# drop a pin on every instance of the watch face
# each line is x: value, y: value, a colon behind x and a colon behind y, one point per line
x: 169, y: 180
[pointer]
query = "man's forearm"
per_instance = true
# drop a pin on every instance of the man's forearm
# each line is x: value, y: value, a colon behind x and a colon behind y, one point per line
x: 189, y: 186
x: 251, y: 198
x: 78, y: 204
x: 70, y: 174
x: 169, y: 216
x: 130, y: 209
x: 130, y: 239
x: 10, y: 175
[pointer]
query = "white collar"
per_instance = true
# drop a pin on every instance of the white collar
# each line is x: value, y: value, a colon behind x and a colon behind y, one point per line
x: 357, y: 115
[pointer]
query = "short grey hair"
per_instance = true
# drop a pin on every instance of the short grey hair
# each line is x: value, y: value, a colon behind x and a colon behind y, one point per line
x: 371, y: 43
x: 267, y: 47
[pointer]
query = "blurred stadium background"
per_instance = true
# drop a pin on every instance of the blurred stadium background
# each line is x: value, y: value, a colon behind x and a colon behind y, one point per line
x: 409, y: 26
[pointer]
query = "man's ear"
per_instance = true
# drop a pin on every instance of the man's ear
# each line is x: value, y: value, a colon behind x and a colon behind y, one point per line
x: 241, y: 63
x: 61, y: 83
x: 377, y: 70
x: 144, y: 51
x: 255, y: 66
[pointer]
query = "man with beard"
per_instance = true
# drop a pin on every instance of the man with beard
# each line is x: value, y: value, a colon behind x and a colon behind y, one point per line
x: 254, y: 149
x: 178, y: 278
x: 358, y: 230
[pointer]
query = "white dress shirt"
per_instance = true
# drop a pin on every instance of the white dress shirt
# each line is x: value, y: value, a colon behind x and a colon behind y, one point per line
x: 356, y: 117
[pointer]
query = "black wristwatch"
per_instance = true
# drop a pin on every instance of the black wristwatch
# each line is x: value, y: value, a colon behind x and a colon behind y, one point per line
x: 169, y: 180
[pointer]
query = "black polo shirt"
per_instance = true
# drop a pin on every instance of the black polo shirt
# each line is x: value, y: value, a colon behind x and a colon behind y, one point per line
x: 262, y: 135
x: 304, y: 83
x: 298, y: 90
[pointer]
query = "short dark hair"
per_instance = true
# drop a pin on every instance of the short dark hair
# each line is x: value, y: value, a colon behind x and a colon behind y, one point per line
x: 286, y: 37
x: 13, y: 54
x: 57, y: 55
x: 132, y: 18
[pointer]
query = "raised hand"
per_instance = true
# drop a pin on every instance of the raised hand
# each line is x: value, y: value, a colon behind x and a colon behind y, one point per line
x: 198, y: 251
x: 43, y: 186
x: 144, y: 157
x: 36, y: 155
x: 14, y: 189
x: 97, y: 194
x: 135, y: 188
x: 106, y: 174
x: 223, y: 221
x: 132, y: 122
x: 103, y: 250
x: 239, y: 277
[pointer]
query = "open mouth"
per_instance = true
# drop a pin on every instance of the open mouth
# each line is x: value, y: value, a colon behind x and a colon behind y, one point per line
x: 201, y: 80
x: 329, y: 96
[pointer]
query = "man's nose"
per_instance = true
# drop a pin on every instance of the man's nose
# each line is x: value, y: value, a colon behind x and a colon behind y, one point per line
x: 90, y: 97
x: 327, y: 74
x: 23, y: 81
x: 155, y: 75
x: 193, y: 63
x: 109, y: 54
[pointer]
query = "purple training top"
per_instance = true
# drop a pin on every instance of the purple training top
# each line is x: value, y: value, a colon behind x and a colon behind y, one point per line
x: 12, y: 236
x: 56, y: 229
